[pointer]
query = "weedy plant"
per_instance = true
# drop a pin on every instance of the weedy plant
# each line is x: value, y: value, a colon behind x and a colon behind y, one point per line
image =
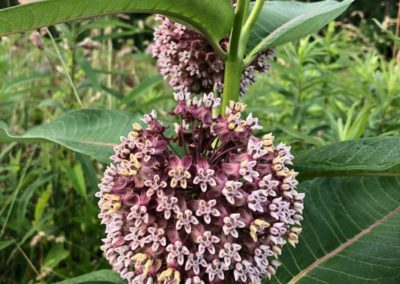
x: 212, y: 200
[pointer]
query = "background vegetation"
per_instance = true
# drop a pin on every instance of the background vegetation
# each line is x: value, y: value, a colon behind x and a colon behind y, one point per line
x: 336, y: 86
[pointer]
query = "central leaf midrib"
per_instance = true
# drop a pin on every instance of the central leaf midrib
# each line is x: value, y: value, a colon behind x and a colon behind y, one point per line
x: 343, y: 246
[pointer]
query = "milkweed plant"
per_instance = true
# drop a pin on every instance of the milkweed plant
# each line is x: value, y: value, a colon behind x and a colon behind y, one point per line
x: 212, y: 198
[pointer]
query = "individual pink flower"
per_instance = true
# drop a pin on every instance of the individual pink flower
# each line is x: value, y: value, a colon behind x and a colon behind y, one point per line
x: 206, y: 209
x: 179, y: 171
x: 205, y: 175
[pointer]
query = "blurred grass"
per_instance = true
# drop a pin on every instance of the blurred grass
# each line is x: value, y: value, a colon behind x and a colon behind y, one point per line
x: 321, y: 90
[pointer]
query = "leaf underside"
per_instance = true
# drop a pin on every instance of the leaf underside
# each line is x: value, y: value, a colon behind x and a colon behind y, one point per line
x: 90, y: 132
x: 284, y: 21
x: 212, y: 18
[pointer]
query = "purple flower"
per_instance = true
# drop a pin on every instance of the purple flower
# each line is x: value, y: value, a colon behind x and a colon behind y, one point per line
x: 205, y: 175
x: 220, y: 213
x: 206, y: 209
x: 186, y: 220
x: 179, y: 171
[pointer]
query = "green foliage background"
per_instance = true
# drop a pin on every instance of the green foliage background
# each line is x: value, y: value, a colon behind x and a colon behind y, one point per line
x: 327, y: 88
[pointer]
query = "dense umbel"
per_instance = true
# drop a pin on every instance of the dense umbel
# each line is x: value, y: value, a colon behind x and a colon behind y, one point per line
x: 189, y: 63
x: 220, y: 211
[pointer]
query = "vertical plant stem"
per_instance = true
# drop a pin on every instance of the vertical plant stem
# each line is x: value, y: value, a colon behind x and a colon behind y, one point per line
x: 234, y: 62
x: 73, y: 56
x: 75, y: 92
x: 396, y: 45
x: 109, y: 67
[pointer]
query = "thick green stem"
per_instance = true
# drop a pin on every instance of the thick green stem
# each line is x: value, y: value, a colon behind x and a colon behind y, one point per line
x: 233, y: 74
x: 234, y: 62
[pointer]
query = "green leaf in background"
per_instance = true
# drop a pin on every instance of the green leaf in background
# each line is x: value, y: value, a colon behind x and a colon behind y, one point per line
x: 212, y: 18
x: 284, y: 21
x: 42, y: 203
x: 90, y: 132
x: 100, y: 277
x: 142, y: 88
x: 5, y: 244
x: 77, y: 178
x: 351, y: 233
x: 92, y: 76
x: 22, y: 202
x: 56, y: 254
x: 355, y: 125
x: 378, y: 156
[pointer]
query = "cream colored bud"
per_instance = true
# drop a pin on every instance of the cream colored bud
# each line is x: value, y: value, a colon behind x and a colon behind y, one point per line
x: 296, y: 230
x: 253, y: 233
x: 293, y: 236
x: 283, y: 172
x: 147, y: 266
x: 139, y: 257
x: 277, y: 250
x: 298, y: 206
x: 292, y: 242
x: 261, y: 223
x: 285, y: 187
x: 271, y: 269
x: 133, y: 134
x: 136, y: 126
x: 277, y: 160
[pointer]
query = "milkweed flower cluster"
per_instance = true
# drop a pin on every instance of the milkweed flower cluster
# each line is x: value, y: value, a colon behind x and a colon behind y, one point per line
x: 220, y: 212
x: 189, y: 63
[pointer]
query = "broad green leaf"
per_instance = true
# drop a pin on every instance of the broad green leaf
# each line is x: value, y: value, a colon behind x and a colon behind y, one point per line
x: 284, y: 21
x: 100, y: 277
x: 370, y: 156
x: 90, y: 132
x: 212, y: 18
x: 351, y: 233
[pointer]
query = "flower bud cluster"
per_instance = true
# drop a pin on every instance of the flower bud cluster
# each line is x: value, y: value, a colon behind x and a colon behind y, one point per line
x: 189, y: 63
x: 220, y: 211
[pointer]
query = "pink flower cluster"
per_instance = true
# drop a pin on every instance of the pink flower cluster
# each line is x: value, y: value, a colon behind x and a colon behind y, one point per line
x: 189, y: 63
x: 212, y: 204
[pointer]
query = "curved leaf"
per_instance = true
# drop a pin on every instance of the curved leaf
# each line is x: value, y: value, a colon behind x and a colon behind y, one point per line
x: 212, y: 18
x: 283, y: 21
x: 369, y: 156
x: 351, y: 233
x: 99, y: 277
x: 90, y: 132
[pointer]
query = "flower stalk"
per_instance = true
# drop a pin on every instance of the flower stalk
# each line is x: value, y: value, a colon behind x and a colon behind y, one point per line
x: 234, y: 62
